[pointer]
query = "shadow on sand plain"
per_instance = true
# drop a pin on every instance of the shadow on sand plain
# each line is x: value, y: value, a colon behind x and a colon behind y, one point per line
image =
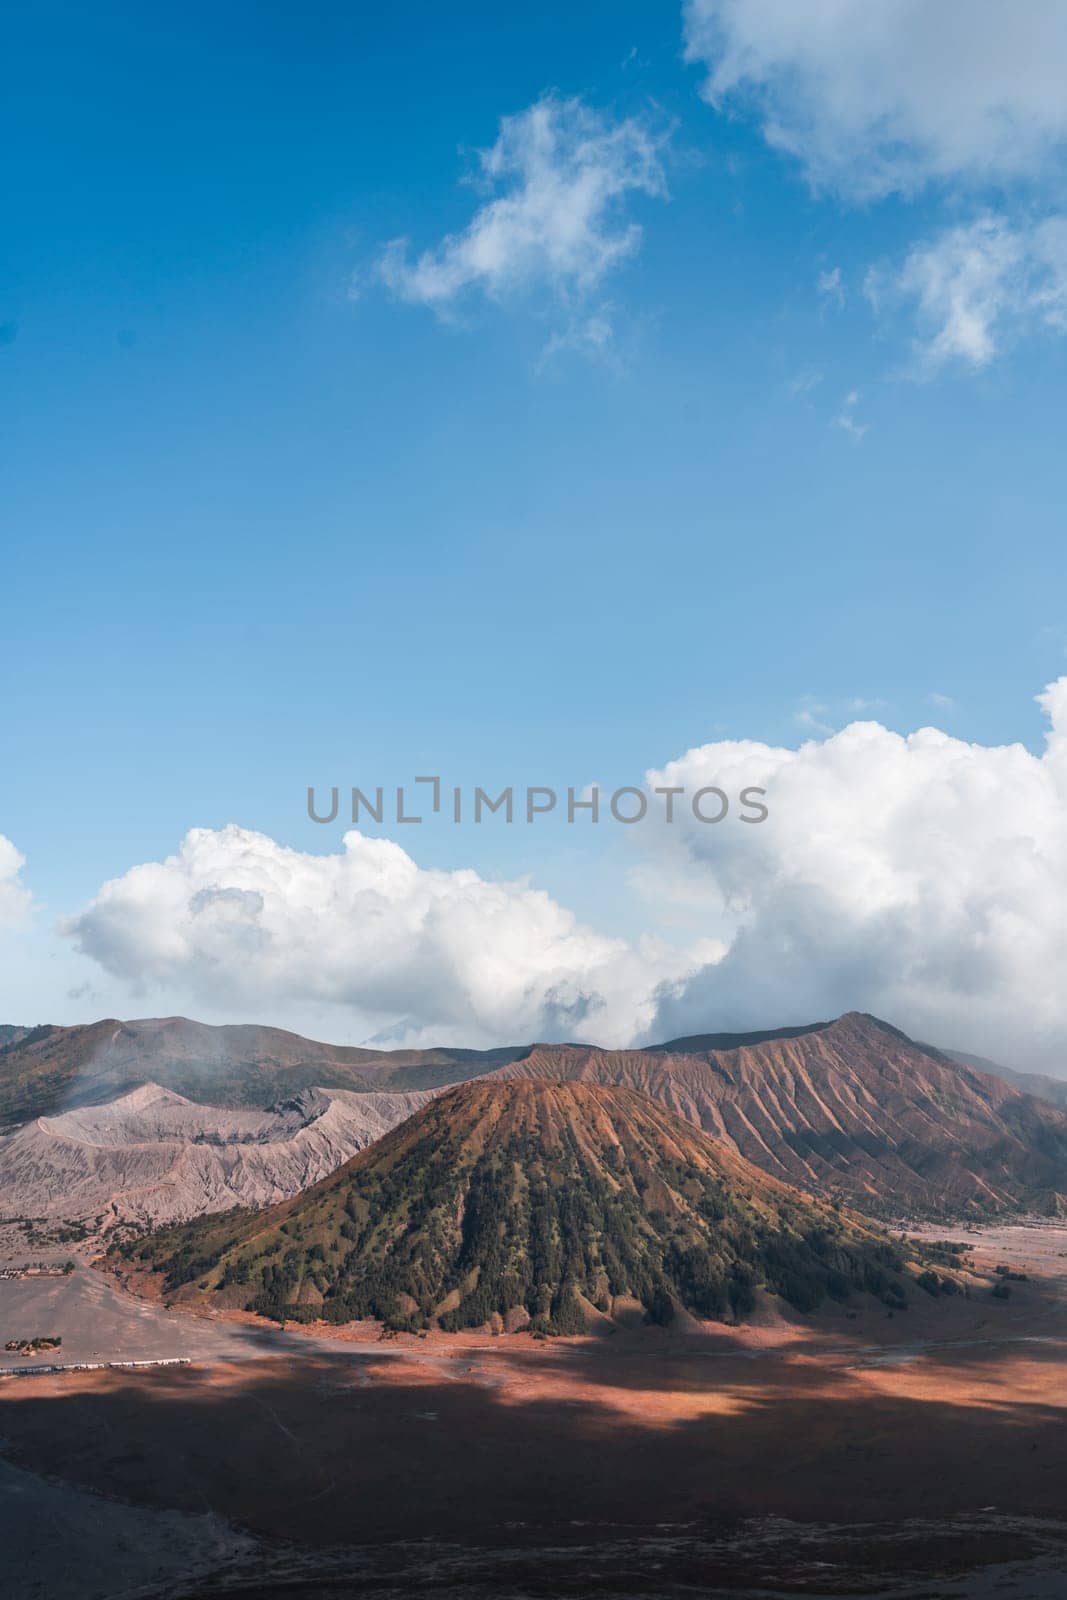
x: 651, y: 1467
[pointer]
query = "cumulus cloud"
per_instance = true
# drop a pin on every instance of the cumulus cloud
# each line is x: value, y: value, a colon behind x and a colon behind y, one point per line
x: 14, y: 896
x: 980, y: 287
x: 921, y: 877
x: 422, y: 955
x: 876, y: 98
x: 559, y: 178
x: 892, y: 97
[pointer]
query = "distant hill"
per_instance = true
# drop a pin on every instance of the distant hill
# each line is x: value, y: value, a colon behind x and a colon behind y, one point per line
x: 9, y: 1034
x: 1054, y: 1090
x: 851, y: 1107
x: 701, y: 1043
x: 50, y: 1069
x: 153, y: 1156
x: 507, y: 1202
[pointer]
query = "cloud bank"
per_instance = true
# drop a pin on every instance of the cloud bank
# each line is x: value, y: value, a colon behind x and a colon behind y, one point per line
x: 14, y: 896
x: 562, y: 175
x: 423, y: 955
x: 874, y: 98
x: 922, y: 878
x: 919, y: 877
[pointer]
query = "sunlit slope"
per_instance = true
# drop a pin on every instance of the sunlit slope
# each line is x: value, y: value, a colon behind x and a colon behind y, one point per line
x: 853, y: 1108
x: 534, y: 1199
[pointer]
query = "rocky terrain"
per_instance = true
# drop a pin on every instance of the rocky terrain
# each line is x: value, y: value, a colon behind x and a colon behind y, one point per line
x: 851, y: 1107
x: 535, y: 1203
x: 49, y: 1069
x: 152, y: 1156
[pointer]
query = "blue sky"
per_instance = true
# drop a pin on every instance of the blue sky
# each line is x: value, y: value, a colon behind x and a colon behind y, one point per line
x: 270, y: 520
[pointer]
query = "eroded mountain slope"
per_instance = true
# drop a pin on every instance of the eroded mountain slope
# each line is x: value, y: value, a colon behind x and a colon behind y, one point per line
x: 153, y: 1156
x: 507, y: 1202
x: 852, y: 1107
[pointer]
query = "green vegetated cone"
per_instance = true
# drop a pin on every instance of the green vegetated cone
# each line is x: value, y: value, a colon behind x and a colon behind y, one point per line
x: 538, y: 1204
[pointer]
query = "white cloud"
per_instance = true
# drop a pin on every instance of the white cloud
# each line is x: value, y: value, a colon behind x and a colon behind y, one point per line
x: 592, y: 336
x: 922, y: 878
x: 944, y: 702
x: 979, y: 287
x: 860, y: 702
x: 846, y: 417
x: 14, y: 896
x: 236, y: 918
x: 805, y: 382
x: 810, y: 715
x: 831, y: 287
x: 875, y: 96
x: 562, y: 175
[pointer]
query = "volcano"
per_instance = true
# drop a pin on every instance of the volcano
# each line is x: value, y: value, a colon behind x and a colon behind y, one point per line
x: 534, y: 1203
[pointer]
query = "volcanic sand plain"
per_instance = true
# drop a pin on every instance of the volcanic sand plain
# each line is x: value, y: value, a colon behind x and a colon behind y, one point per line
x: 851, y: 1452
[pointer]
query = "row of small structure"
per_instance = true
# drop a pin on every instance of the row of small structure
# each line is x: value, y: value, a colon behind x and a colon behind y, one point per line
x: 89, y: 1366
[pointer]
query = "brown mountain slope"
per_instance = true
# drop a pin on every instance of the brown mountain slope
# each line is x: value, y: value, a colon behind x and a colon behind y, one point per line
x: 503, y: 1201
x: 852, y: 1107
x: 50, y: 1068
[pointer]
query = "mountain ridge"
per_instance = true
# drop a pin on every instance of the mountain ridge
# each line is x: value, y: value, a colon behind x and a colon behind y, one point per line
x: 1039, y: 1084
x: 51, y: 1068
x: 153, y: 1156
x: 852, y: 1106
x: 522, y: 1202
